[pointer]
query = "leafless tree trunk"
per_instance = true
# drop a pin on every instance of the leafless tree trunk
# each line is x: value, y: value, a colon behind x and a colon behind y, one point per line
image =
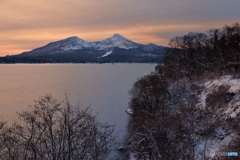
x: 55, y: 131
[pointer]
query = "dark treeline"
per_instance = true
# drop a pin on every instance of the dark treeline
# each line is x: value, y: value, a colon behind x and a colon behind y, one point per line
x: 218, y: 50
x: 55, y: 131
x: 165, y: 123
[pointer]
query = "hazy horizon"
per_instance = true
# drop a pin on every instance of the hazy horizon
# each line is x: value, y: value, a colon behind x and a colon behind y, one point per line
x: 29, y: 24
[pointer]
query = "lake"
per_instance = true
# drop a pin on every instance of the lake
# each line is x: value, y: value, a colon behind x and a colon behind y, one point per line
x: 103, y: 87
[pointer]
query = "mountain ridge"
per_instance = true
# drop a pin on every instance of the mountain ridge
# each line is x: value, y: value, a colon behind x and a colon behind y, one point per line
x: 74, y: 49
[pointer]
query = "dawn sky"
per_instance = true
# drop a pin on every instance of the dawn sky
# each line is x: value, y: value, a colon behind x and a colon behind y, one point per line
x: 27, y: 24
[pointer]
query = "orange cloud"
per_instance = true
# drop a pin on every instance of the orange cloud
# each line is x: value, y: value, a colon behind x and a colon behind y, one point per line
x: 20, y: 40
x: 27, y: 24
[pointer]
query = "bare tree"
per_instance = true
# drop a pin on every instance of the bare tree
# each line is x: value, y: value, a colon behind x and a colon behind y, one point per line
x: 55, y: 131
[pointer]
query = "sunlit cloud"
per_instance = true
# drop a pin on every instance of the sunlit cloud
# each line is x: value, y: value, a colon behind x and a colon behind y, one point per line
x: 27, y: 24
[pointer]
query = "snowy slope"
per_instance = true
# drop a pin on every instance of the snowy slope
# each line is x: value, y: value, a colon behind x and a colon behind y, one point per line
x: 75, y: 43
x: 107, y: 54
x: 74, y: 49
x: 71, y: 43
x: 224, y: 135
x: 116, y: 40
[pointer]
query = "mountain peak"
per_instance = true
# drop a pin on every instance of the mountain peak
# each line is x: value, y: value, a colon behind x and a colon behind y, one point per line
x: 117, y: 40
x: 116, y: 48
x: 75, y: 43
x: 73, y: 39
x: 70, y: 43
x: 118, y: 36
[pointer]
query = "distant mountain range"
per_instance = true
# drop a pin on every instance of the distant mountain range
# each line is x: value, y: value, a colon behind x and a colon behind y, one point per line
x: 75, y: 50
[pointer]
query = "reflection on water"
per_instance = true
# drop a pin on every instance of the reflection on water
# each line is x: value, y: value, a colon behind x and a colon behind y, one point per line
x: 104, y: 87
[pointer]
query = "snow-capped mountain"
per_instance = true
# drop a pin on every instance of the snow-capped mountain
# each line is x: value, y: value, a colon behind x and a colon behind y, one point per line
x: 74, y: 49
x: 71, y: 43
x: 116, y: 40
x: 75, y: 43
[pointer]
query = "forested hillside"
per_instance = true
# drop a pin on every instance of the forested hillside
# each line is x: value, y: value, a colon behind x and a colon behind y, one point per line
x: 188, y: 109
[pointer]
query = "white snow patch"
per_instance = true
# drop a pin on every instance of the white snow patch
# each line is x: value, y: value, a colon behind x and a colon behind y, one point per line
x: 115, y: 41
x: 72, y: 43
x: 129, y: 111
x: 233, y: 108
x: 212, y: 85
x: 235, y: 113
x: 107, y: 54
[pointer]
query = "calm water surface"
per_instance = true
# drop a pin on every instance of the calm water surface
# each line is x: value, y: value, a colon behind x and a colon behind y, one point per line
x: 104, y: 87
